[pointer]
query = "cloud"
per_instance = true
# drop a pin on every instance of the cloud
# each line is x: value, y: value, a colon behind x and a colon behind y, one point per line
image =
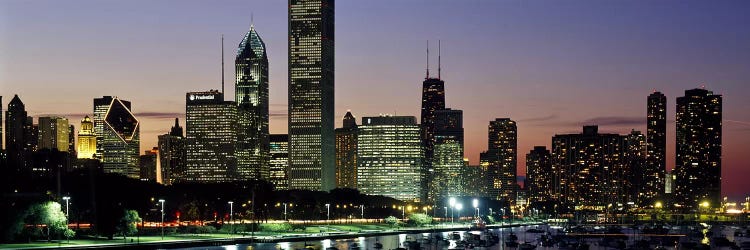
x: 539, y: 119
x: 615, y: 121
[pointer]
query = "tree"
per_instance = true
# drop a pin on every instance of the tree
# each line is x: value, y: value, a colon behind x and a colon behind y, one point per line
x: 419, y: 219
x: 128, y: 223
x: 391, y: 221
x: 47, y: 219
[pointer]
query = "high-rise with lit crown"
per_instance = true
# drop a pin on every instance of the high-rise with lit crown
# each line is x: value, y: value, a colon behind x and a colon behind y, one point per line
x: 656, y: 145
x: 86, y: 139
x: 389, y: 157
x: 346, y: 153
x: 120, y: 139
x: 251, y: 96
x: 311, y: 95
x: 698, y: 158
x: 211, y: 134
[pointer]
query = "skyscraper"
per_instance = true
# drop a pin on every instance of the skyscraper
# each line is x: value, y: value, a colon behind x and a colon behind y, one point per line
x: 211, y: 133
x: 172, y: 155
x: 86, y: 139
x: 448, y: 154
x: 251, y: 95
x: 698, y: 158
x: 279, y: 161
x: 148, y: 164
x: 389, y: 157
x: 586, y: 168
x: 433, y: 99
x: 634, y: 179
x: 502, y: 155
x: 120, y: 139
x: 346, y: 153
x: 54, y: 133
x: 312, y: 163
x: 539, y: 174
x: 101, y: 105
x: 652, y: 184
x: 17, y: 133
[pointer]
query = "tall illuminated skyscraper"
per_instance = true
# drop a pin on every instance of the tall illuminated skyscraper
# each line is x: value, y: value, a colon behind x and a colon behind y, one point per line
x: 54, y: 133
x: 539, y: 174
x: 312, y: 155
x: 652, y: 184
x: 698, y: 158
x: 448, y: 154
x: 251, y: 95
x: 211, y: 132
x: 346, y: 153
x: 86, y: 139
x: 101, y: 106
x: 389, y: 157
x: 502, y: 155
x: 119, y: 141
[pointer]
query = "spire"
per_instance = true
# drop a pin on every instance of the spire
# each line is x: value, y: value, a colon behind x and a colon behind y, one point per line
x: 438, y: 59
x: 222, y: 63
x: 176, y: 122
x: 428, y: 60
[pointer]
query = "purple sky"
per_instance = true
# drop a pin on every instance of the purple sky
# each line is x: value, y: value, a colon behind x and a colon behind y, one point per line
x: 550, y: 65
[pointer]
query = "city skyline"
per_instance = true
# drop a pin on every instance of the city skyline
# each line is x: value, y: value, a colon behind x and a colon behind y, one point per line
x: 543, y: 105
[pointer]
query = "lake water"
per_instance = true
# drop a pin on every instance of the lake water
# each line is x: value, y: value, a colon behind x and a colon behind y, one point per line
x: 394, y: 241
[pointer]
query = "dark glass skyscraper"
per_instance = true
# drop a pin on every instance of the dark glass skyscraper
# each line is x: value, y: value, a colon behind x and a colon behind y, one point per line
x: 698, y: 161
x: 251, y: 94
x: 172, y: 155
x: 120, y: 139
x: 501, y: 153
x: 346, y: 153
x: 433, y: 99
x: 652, y: 184
x: 17, y: 133
x: 311, y: 95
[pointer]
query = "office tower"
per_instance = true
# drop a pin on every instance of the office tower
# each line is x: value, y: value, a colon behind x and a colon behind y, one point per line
x: 633, y: 175
x: 448, y: 154
x: 86, y: 139
x: 433, y: 99
x: 698, y: 161
x: 211, y: 133
x: 668, y: 183
x: 279, y: 149
x: 149, y: 163
x: 119, y: 141
x: 473, y: 181
x: 585, y: 168
x: 656, y: 143
x: 346, y: 153
x: 312, y: 154
x: 54, y: 133
x: 172, y: 155
x: 251, y: 95
x: 502, y: 159
x: 389, y: 157
x: 17, y: 133
x: 101, y: 106
x: 32, y: 134
x: 72, y: 141
x: 539, y: 174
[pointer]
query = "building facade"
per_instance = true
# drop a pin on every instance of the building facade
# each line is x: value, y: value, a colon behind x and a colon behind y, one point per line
x: 251, y: 96
x: 502, y: 158
x: 120, y: 140
x: 54, y: 133
x: 433, y: 99
x: 172, y: 159
x: 312, y: 155
x: 86, y: 139
x: 652, y: 186
x: 18, y: 136
x: 346, y: 153
x: 149, y: 164
x: 448, y: 154
x: 211, y: 135
x: 389, y: 157
x: 279, y: 149
x: 698, y: 158
x: 539, y: 174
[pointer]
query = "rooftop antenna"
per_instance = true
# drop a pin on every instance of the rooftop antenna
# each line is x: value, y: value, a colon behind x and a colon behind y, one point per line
x: 222, y: 63
x: 252, y: 20
x: 428, y: 60
x: 438, y: 59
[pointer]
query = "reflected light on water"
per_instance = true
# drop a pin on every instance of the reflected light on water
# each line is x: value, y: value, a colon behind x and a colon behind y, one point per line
x: 326, y: 243
x: 285, y: 246
x: 230, y: 247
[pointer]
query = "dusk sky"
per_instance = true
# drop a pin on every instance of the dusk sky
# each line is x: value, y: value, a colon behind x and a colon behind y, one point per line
x: 552, y: 66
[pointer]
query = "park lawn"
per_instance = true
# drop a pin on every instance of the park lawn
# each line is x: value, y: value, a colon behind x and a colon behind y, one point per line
x: 115, y: 241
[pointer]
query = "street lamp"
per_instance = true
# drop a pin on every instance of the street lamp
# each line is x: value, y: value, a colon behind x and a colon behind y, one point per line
x: 67, y: 214
x: 452, y: 203
x: 475, y: 203
x: 459, y: 206
x: 328, y: 213
x: 162, y: 218
x: 502, y: 215
x: 284, y: 211
x: 231, y: 217
x: 363, y: 211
